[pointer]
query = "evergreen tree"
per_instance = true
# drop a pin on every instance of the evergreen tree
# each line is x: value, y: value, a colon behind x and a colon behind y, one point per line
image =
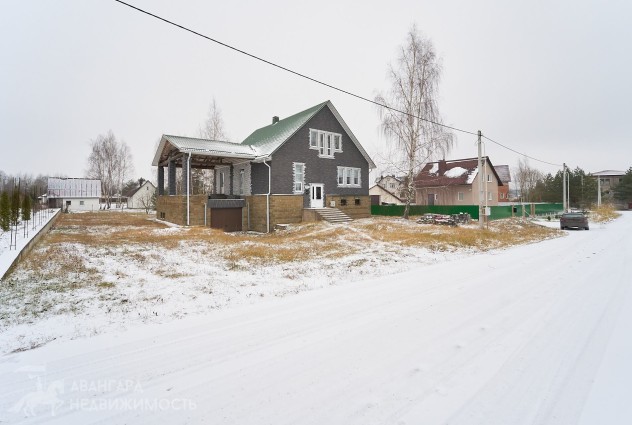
x: 15, y: 206
x: 5, y: 211
x: 623, y: 191
x: 26, y: 208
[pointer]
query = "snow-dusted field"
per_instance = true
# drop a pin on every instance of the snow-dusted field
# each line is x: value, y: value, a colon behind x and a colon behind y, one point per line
x: 107, y: 271
x: 536, y: 334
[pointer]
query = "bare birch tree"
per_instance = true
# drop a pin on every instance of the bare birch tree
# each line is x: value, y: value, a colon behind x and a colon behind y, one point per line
x: 212, y: 129
x: 110, y: 162
x: 526, y: 179
x: 417, y: 133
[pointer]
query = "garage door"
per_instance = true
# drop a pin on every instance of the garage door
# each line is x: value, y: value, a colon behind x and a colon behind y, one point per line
x: 227, y: 219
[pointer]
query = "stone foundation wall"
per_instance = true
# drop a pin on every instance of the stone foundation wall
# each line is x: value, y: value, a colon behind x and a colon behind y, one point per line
x: 363, y: 210
x: 284, y: 209
x: 174, y: 209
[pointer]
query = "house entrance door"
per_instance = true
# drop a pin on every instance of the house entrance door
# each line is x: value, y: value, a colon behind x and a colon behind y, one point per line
x: 317, y: 198
x: 431, y: 199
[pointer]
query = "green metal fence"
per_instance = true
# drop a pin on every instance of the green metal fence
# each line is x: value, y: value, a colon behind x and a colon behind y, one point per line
x: 497, y: 213
x: 398, y: 210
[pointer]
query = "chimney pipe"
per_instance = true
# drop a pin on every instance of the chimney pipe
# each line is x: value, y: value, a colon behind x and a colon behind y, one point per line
x: 275, y: 120
x: 442, y: 167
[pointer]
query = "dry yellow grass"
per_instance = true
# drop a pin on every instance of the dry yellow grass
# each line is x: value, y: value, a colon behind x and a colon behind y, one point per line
x: 604, y: 214
x: 500, y: 233
x: 112, y: 230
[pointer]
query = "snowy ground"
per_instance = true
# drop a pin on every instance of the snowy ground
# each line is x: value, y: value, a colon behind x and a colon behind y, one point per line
x: 536, y: 334
x: 103, y: 272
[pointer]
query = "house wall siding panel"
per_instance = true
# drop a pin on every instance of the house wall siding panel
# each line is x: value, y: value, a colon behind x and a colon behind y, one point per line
x: 317, y: 169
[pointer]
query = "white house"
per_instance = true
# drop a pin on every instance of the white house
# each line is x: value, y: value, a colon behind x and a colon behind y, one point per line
x: 141, y: 198
x: 74, y: 193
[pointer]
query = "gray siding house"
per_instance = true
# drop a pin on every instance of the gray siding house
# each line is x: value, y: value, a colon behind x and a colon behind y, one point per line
x: 284, y: 172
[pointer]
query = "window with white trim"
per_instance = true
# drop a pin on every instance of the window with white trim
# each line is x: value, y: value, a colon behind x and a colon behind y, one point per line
x: 313, y: 139
x: 299, y: 177
x: 460, y: 196
x: 489, y: 178
x: 490, y: 196
x: 325, y: 142
x: 221, y: 182
x: 242, y: 179
x: 349, y: 177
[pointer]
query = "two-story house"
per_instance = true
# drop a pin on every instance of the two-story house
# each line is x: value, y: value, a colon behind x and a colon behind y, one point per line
x: 293, y: 169
x: 456, y: 182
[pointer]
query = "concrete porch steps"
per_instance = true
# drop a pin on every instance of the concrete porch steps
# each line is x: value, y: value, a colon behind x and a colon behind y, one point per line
x: 333, y: 215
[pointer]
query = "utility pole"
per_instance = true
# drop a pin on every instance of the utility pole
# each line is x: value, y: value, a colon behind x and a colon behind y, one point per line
x: 564, y: 186
x: 598, y: 191
x: 481, y: 218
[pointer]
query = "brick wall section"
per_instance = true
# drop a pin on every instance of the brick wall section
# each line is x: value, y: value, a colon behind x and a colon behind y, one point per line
x: 351, y: 209
x: 284, y: 209
x: 175, y: 209
x: 256, y: 207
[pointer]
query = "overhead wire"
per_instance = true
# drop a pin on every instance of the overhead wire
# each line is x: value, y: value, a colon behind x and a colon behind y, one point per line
x: 331, y: 86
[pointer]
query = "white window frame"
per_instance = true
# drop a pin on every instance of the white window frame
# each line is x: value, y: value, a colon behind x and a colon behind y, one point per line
x: 460, y: 196
x: 325, y: 142
x: 490, y: 196
x: 298, y: 179
x: 489, y: 178
x: 349, y: 176
x: 222, y: 182
x: 242, y: 180
x: 313, y: 138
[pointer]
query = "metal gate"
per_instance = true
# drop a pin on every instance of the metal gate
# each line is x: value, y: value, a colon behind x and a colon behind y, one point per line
x: 227, y: 219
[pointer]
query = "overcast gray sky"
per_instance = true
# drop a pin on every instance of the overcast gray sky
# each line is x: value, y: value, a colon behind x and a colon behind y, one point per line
x: 552, y: 79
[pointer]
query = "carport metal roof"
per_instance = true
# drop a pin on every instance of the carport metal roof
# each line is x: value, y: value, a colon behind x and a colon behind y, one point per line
x: 205, y: 154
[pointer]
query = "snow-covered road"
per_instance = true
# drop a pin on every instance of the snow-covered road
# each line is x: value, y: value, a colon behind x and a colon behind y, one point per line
x: 537, y: 334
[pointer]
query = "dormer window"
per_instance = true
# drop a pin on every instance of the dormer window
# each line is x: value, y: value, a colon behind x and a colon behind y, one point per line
x: 325, y: 142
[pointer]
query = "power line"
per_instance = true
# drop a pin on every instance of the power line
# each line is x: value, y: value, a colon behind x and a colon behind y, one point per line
x: 319, y: 81
x: 292, y: 71
x: 520, y: 153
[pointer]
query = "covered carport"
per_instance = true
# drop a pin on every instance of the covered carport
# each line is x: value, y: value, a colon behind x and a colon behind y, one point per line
x: 188, y: 153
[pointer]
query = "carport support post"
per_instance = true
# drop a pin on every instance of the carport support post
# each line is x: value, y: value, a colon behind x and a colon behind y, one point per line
x: 171, y: 169
x: 161, y: 180
x: 232, y: 171
x: 481, y: 217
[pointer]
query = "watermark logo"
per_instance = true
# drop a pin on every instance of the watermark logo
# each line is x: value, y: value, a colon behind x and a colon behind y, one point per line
x: 45, y: 394
x: 89, y: 395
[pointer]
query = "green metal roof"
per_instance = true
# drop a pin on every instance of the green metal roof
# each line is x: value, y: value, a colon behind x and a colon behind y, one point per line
x: 269, y: 138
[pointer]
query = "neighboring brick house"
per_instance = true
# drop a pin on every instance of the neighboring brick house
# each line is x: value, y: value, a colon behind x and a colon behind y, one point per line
x: 456, y: 182
x: 281, y: 173
x: 505, y: 177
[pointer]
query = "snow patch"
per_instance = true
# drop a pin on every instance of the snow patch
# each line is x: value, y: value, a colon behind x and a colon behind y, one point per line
x: 455, y: 172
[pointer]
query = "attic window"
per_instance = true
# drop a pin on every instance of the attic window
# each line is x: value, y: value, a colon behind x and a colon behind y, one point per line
x: 325, y: 142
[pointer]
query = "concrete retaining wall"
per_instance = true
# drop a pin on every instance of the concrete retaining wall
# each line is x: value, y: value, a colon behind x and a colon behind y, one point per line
x: 31, y: 244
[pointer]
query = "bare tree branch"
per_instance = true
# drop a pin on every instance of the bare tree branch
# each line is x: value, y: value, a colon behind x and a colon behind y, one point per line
x: 414, y: 89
